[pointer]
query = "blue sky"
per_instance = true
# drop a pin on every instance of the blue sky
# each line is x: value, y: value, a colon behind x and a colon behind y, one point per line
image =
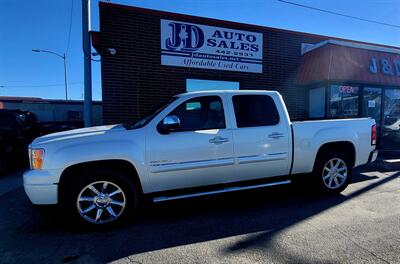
x: 44, y: 24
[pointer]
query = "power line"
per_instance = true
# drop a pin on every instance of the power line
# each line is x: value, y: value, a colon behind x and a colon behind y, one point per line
x: 70, y: 26
x: 35, y: 86
x: 340, y: 14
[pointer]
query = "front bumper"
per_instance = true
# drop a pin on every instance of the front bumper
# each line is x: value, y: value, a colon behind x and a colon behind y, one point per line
x: 372, y: 156
x: 41, y: 186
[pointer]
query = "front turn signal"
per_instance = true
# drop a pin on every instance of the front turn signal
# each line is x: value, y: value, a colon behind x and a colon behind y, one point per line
x: 37, y: 156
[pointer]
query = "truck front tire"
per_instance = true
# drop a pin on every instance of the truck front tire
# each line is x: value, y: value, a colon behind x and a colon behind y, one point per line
x: 332, y: 171
x: 102, y: 197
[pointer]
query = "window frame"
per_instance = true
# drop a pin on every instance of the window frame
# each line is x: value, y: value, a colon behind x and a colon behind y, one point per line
x: 258, y: 95
x: 198, y: 98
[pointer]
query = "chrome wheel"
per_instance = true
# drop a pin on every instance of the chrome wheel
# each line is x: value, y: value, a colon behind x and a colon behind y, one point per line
x: 335, y: 173
x: 101, y: 202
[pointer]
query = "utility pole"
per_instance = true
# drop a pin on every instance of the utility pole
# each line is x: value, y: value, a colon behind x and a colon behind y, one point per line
x: 87, y: 51
x: 65, y: 77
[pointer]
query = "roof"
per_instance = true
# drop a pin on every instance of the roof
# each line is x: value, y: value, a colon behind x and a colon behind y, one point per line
x: 18, y: 98
x: 21, y: 99
x: 373, y: 47
x: 338, y: 61
x: 212, y: 92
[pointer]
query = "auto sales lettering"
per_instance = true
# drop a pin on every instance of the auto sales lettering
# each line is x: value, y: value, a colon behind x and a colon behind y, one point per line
x: 199, y: 46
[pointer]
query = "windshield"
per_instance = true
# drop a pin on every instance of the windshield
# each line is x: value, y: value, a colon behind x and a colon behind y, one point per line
x: 144, y: 121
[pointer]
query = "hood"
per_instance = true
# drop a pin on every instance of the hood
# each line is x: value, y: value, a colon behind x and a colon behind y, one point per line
x: 77, y: 133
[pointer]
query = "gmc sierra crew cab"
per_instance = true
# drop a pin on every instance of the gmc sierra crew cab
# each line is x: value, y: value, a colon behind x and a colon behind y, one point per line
x: 198, y: 143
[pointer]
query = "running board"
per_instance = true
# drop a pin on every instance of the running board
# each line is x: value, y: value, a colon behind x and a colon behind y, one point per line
x: 225, y: 190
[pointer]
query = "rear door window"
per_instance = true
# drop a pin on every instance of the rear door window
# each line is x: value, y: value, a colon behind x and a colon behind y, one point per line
x: 255, y: 110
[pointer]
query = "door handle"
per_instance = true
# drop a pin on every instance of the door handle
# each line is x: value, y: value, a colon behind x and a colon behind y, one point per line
x: 276, y: 135
x: 218, y: 140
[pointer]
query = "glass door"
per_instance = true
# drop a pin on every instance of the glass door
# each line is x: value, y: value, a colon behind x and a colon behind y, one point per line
x: 391, y: 119
x: 372, y: 98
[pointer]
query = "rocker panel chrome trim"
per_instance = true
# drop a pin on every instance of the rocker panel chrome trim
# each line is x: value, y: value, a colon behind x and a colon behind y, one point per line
x: 230, y: 189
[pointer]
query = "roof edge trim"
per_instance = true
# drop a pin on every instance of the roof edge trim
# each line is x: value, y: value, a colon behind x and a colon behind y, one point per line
x: 351, y: 45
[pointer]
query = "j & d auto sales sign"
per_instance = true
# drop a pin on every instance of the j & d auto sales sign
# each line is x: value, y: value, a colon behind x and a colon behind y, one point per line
x: 198, y: 46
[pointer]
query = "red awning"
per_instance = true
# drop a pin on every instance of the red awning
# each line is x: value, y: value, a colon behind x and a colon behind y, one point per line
x: 348, y: 63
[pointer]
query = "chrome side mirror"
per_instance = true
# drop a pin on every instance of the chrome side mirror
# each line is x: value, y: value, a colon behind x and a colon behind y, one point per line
x: 169, y: 124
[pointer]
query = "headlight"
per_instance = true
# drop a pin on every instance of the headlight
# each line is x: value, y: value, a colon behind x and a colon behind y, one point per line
x: 36, y: 157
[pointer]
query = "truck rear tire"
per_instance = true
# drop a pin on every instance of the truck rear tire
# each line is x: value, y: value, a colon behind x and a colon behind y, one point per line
x: 332, y: 171
x: 102, y: 197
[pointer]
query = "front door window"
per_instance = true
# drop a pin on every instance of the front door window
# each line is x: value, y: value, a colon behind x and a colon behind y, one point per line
x: 201, y: 113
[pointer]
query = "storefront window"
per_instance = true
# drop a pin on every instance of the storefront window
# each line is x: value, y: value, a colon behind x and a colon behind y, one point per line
x: 343, y: 101
x: 391, y: 121
x: 201, y: 85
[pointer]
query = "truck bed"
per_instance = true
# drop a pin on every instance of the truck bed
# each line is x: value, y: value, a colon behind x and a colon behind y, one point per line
x: 308, y: 135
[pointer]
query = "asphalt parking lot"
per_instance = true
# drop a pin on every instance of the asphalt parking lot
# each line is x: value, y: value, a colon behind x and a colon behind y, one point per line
x: 275, y: 225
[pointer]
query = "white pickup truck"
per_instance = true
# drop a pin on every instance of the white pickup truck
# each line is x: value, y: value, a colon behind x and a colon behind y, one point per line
x: 197, y: 144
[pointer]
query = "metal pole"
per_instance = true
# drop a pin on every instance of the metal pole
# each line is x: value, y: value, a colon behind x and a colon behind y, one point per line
x: 87, y: 108
x: 64, y: 57
x: 65, y: 77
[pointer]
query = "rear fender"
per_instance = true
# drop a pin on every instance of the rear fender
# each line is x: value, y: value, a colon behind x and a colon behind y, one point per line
x: 306, y: 150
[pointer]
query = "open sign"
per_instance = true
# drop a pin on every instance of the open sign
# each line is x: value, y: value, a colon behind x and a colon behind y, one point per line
x: 346, y: 89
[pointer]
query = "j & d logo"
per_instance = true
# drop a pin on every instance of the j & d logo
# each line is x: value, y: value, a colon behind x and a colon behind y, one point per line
x: 184, y: 37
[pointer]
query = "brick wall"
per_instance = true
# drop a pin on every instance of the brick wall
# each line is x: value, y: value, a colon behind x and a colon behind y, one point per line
x: 134, y: 81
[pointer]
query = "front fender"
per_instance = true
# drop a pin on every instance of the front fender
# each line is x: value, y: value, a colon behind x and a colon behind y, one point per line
x: 68, y: 155
x: 73, y: 154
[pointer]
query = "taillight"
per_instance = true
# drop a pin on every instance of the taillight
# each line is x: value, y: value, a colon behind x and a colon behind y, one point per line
x: 373, y: 135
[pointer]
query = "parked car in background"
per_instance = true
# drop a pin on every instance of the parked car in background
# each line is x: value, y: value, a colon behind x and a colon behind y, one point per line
x: 197, y: 144
x: 17, y: 130
x: 392, y: 119
x: 57, y: 126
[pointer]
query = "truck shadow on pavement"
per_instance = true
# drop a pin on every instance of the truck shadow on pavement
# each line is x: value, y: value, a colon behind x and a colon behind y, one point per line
x: 29, y: 236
